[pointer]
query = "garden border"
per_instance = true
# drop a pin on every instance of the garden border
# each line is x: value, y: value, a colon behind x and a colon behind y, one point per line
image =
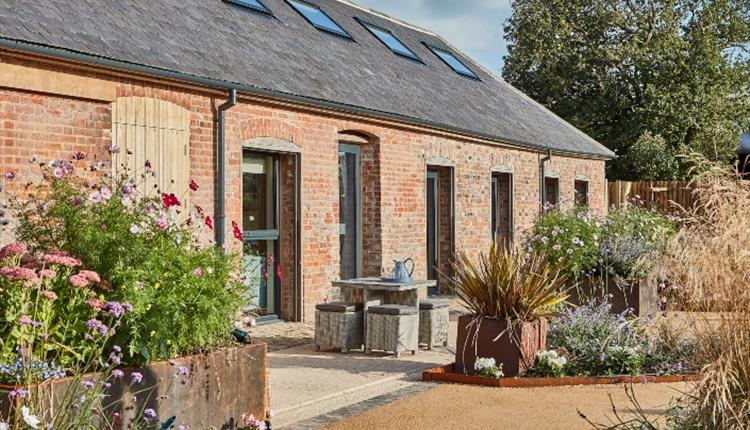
x: 446, y: 374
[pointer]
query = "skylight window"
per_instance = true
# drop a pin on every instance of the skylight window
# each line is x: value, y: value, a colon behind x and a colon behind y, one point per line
x: 254, y: 5
x: 318, y: 18
x: 451, y: 60
x: 390, y: 40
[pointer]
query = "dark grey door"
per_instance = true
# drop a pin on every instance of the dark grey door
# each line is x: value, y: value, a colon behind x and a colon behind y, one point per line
x: 260, y: 226
x: 432, y: 224
x: 349, y: 211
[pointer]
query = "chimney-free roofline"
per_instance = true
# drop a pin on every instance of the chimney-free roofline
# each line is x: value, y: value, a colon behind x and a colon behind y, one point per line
x: 90, y: 59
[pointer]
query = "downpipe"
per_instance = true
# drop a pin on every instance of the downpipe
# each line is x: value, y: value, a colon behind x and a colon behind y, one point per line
x: 542, y: 174
x: 221, y: 215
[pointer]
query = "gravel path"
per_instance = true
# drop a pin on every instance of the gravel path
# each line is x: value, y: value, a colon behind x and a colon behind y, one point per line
x: 477, y: 408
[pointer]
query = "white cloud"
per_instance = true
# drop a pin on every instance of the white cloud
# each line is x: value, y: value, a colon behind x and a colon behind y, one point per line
x: 473, y: 26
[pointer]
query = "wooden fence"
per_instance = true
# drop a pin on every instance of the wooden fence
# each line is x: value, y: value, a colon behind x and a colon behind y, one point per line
x: 659, y: 195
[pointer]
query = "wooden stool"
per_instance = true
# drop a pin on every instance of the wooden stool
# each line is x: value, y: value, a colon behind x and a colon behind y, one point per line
x: 338, y: 325
x: 392, y: 328
x: 434, y: 319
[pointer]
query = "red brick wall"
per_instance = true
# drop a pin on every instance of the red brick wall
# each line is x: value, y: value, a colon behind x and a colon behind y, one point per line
x: 394, y: 174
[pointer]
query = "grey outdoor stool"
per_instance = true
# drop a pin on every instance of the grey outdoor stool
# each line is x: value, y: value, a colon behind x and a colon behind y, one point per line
x: 392, y: 328
x: 434, y: 318
x: 338, y: 325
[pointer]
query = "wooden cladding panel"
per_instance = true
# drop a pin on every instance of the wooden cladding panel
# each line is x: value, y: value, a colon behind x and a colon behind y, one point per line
x: 148, y: 129
x: 46, y: 81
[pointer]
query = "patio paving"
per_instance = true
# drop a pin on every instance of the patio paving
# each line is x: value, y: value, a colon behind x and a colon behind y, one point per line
x: 311, y: 388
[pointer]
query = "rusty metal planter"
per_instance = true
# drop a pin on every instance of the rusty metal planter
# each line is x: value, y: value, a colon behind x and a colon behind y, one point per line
x: 639, y: 295
x: 222, y: 386
x: 517, y: 350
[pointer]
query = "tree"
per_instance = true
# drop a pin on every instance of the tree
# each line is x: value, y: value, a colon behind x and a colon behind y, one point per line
x: 678, y: 70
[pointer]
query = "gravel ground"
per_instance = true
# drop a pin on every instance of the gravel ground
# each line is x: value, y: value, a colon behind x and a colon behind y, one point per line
x: 477, y: 408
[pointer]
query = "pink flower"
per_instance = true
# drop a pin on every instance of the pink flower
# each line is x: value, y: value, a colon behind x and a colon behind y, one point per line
x: 236, y: 230
x: 97, y: 305
x: 161, y: 222
x: 198, y: 272
x: 26, y: 320
x: 106, y: 193
x: 12, y: 249
x: 95, y: 197
x: 90, y: 275
x: 169, y: 200
x: 15, y: 273
x: 49, y: 295
x: 78, y: 281
x: 10, y: 175
x: 193, y: 185
x: 61, y: 259
x: 47, y: 274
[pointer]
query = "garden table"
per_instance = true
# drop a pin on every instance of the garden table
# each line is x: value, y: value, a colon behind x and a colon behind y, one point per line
x: 378, y: 292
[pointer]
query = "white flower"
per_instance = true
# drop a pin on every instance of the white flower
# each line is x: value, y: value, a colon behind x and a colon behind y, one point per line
x: 31, y: 420
x: 4, y: 426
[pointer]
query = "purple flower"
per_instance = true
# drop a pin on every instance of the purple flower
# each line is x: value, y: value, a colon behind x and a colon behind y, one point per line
x: 118, y: 374
x: 136, y: 377
x: 117, y: 348
x: 103, y: 329
x: 183, y: 371
x: 116, y: 309
x: 93, y: 323
x: 127, y: 306
x: 88, y: 384
x: 21, y: 393
x: 106, y: 193
x: 26, y: 320
x: 149, y: 414
x: 113, y: 149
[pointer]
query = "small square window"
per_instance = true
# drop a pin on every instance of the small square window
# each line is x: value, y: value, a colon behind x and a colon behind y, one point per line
x: 389, y: 40
x: 319, y: 19
x: 452, y: 61
x: 254, y: 5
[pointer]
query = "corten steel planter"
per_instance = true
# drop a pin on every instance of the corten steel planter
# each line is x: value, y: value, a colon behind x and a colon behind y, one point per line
x: 222, y: 385
x: 640, y: 295
x: 516, y: 350
x: 447, y: 374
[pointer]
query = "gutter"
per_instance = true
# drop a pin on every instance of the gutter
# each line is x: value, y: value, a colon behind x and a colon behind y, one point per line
x: 542, y: 175
x: 221, y: 212
x: 79, y: 57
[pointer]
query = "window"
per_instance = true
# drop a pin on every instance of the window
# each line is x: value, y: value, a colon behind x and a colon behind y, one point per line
x: 453, y: 62
x: 502, y: 207
x: 318, y: 18
x: 581, y: 189
x: 551, y: 192
x: 390, y: 40
x: 253, y: 5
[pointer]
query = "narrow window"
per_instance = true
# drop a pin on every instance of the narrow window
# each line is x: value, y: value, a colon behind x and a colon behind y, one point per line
x: 254, y: 5
x: 454, y: 63
x: 319, y: 19
x: 389, y: 40
x: 581, y: 189
x: 502, y: 208
x: 551, y: 192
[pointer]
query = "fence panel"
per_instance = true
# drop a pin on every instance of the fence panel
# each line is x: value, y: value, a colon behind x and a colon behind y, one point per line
x: 659, y: 195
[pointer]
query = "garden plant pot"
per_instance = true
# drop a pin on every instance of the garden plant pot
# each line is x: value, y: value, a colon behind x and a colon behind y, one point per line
x: 221, y: 386
x: 639, y: 295
x: 516, y: 349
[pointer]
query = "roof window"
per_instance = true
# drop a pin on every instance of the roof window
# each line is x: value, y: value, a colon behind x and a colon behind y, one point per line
x: 254, y: 5
x: 319, y: 19
x: 454, y: 63
x: 389, y: 40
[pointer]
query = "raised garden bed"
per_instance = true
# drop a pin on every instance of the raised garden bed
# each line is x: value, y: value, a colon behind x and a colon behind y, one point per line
x: 221, y: 386
x: 447, y: 374
x: 640, y: 295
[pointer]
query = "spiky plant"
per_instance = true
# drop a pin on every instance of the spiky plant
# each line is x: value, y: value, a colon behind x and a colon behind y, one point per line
x: 508, y: 284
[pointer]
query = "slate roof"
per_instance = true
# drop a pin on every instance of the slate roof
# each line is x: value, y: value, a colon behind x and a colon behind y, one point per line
x: 285, y: 54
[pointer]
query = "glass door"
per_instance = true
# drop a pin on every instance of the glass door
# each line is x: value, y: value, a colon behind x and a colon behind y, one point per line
x: 349, y: 211
x: 260, y: 225
x: 432, y: 224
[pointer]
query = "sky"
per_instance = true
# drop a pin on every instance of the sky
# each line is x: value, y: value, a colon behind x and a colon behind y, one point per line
x: 473, y: 26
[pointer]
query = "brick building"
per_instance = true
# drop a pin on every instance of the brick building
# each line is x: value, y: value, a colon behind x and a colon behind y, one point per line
x: 338, y: 137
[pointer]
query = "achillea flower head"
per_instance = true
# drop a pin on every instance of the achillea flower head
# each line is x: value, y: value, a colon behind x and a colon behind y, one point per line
x: 96, y: 304
x: 49, y: 295
x: 12, y: 249
x: 79, y: 281
x: 16, y: 273
x: 61, y: 260
x: 47, y: 274
x: 90, y: 275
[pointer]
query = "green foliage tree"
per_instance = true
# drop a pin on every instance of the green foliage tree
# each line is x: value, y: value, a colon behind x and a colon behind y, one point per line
x: 641, y: 76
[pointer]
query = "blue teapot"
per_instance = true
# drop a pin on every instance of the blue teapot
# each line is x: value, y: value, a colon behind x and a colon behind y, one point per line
x: 400, y: 272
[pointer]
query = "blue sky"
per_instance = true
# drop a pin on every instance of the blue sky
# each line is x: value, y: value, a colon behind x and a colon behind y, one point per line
x: 474, y: 26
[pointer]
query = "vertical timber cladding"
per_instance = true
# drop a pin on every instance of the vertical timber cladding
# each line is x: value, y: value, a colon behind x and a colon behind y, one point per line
x: 148, y: 129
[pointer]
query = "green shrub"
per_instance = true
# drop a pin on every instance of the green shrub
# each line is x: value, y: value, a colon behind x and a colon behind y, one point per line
x: 569, y: 240
x: 144, y: 244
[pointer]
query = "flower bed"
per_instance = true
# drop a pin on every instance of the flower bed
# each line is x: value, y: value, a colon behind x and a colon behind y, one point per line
x: 447, y: 374
x: 210, y: 390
